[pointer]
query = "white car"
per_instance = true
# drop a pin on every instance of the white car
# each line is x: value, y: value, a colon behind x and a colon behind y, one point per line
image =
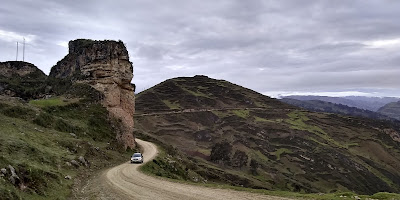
x: 137, y: 158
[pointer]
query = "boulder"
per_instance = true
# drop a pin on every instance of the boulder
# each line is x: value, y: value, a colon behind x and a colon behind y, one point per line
x: 12, y: 170
x: 68, y: 164
x: 83, y: 161
x: 75, y: 163
x: 14, y: 179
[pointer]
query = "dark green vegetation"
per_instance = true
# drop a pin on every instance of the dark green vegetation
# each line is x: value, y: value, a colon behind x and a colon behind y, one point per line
x: 323, y: 106
x: 26, y: 81
x: 40, y: 139
x: 226, y: 134
x: 21, y: 79
x: 391, y: 109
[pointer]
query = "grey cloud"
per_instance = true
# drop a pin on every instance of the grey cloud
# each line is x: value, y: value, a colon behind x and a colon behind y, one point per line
x: 151, y: 52
x: 335, y: 47
x: 265, y: 45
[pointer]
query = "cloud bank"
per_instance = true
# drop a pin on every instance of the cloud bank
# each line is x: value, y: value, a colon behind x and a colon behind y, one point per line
x: 273, y: 47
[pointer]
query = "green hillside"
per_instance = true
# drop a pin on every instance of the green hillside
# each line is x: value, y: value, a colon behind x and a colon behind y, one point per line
x: 218, y: 132
x: 40, y: 139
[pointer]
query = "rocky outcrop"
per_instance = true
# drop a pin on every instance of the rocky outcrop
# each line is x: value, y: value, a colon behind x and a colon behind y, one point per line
x: 21, y: 79
x: 105, y: 66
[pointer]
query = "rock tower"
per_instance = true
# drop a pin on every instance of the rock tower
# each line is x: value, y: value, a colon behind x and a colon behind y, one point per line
x: 105, y: 66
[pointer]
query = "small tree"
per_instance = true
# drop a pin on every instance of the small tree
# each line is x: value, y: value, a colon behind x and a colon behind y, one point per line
x: 239, y: 159
x: 254, y: 166
x: 221, y: 153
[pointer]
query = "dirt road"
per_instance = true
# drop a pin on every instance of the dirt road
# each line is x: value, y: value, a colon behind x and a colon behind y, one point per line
x: 126, y: 182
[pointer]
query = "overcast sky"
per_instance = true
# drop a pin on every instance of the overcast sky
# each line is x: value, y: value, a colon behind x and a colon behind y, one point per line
x: 274, y: 47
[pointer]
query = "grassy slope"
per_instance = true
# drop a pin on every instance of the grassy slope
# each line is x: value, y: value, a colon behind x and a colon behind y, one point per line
x: 54, y: 101
x: 35, y: 139
x: 176, y: 172
x: 295, y: 150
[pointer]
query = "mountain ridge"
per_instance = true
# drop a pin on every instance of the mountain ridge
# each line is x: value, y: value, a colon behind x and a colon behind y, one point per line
x: 361, y: 102
x: 328, y: 107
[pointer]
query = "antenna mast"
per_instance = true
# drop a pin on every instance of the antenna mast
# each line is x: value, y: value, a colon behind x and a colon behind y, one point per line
x: 16, y: 57
x: 23, y: 52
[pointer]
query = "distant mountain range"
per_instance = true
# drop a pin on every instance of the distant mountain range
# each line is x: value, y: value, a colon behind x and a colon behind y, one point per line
x: 366, y: 103
x: 328, y: 107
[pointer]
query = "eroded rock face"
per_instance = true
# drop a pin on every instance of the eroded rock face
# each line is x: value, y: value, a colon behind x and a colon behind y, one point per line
x: 106, y: 67
x: 393, y: 134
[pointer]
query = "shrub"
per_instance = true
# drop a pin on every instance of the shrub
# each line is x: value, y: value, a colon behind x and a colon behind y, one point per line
x: 36, y: 179
x: 254, y: 166
x: 19, y: 112
x: 44, y: 120
x: 85, y: 91
x: 239, y: 159
x: 8, y: 194
x: 63, y: 126
x: 99, y: 127
x: 221, y: 152
x: 3, y: 105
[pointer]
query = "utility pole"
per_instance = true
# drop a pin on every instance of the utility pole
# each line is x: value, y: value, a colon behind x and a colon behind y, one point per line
x: 16, y: 57
x: 23, y: 52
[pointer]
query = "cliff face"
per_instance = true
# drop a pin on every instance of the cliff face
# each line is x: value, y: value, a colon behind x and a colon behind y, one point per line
x: 21, y: 79
x: 106, y: 67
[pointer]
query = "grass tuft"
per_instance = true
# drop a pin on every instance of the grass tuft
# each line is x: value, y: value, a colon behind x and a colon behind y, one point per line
x: 172, y: 105
x: 242, y: 113
x: 57, y: 101
x: 19, y: 112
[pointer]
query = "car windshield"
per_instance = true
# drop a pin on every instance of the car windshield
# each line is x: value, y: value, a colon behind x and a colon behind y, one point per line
x: 137, y: 155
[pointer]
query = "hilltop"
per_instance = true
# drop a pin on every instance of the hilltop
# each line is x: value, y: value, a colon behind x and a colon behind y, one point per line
x: 219, y: 132
x: 22, y: 79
